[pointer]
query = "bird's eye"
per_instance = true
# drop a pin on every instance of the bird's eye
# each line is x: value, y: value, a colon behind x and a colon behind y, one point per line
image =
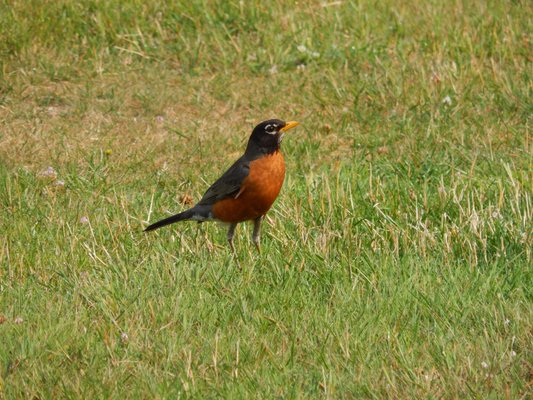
x: 270, y: 129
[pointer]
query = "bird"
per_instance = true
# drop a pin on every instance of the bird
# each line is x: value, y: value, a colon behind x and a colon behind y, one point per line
x: 248, y: 189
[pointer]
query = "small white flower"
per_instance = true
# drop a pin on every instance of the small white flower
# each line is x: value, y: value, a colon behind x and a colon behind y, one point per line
x: 300, y: 67
x: 447, y: 101
x: 84, y: 220
x: 484, y: 365
x: 18, y: 320
x: 507, y: 322
x: 53, y: 111
x: 273, y: 70
x: 315, y: 54
x: 49, y: 173
x: 59, y: 184
x: 513, y: 353
x: 124, y: 337
x: 302, y: 49
x: 159, y: 119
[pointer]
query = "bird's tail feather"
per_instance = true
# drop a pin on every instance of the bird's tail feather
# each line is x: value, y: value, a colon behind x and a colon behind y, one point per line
x: 184, y: 216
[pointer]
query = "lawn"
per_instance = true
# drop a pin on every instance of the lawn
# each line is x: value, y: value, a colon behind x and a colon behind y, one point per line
x: 396, y: 263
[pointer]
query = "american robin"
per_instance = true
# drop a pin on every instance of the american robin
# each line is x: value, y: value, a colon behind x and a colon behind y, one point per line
x: 247, y: 190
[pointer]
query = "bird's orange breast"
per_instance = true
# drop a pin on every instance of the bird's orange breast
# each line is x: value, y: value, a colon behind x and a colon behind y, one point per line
x: 258, y: 191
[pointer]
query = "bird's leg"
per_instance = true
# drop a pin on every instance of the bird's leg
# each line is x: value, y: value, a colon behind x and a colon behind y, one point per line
x: 231, y: 233
x: 257, y: 232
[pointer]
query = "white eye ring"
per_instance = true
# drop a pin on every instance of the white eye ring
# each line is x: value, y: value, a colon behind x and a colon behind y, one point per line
x: 270, y: 129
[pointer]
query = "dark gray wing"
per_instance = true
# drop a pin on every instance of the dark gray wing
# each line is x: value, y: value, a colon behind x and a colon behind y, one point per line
x: 227, y: 185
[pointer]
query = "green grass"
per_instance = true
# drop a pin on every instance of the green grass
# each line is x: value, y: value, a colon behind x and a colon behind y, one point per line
x: 396, y: 262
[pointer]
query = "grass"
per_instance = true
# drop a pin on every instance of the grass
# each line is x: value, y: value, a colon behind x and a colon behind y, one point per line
x: 396, y: 262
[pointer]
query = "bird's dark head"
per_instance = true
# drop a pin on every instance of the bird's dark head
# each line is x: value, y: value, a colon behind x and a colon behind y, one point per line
x: 267, y: 136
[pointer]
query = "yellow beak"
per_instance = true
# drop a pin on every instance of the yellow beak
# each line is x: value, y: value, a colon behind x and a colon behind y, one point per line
x: 289, y: 125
